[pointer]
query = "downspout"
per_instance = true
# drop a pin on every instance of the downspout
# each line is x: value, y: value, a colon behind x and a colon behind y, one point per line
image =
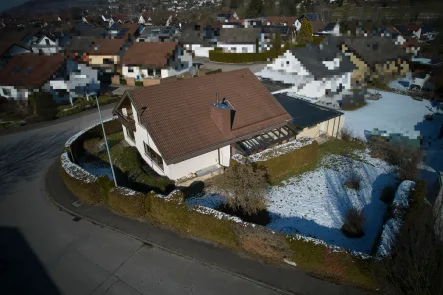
x: 338, y: 127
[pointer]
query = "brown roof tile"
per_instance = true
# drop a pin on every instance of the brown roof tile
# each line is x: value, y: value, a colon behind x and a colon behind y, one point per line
x: 149, y: 53
x: 178, y: 114
x: 107, y: 46
x: 30, y: 70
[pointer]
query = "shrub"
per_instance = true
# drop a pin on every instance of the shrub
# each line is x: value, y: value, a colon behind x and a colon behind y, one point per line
x: 88, y: 193
x: 138, y: 83
x: 43, y: 105
x: 346, y: 134
x: 278, y: 167
x: 388, y: 194
x: 353, y: 180
x: 214, y: 72
x: 219, y: 56
x: 245, y: 188
x: 353, y: 227
x: 105, y: 185
x: 126, y: 204
x: 418, y: 195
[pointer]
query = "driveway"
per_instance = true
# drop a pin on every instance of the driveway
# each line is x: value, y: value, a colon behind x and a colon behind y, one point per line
x: 46, y: 251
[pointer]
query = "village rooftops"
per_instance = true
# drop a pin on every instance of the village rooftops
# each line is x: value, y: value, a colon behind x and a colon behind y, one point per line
x: 107, y: 47
x: 313, y: 58
x: 149, y: 53
x: 374, y: 50
x: 183, y: 119
x: 30, y: 70
x: 239, y: 35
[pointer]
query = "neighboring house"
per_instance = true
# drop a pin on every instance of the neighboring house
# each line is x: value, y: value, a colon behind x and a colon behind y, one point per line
x: 224, y: 16
x: 310, y: 119
x: 45, y: 45
x: 125, y: 31
x: 64, y: 79
x: 268, y: 34
x: 411, y: 45
x: 239, y: 40
x: 78, y: 47
x: 155, y: 60
x: 315, y: 20
x: 158, y: 34
x: 87, y: 30
x: 190, y: 127
x: 13, y: 43
x: 375, y: 57
x: 256, y: 22
x: 331, y: 29
x: 314, y: 72
x: 197, y: 41
x: 106, y: 53
x: 280, y: 21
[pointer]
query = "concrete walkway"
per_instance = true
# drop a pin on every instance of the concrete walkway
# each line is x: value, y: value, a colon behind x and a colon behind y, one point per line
x: 276, y: 279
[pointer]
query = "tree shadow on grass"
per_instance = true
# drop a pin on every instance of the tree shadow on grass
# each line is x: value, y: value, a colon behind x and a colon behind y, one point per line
x: 21, y: 272
x: 21, y: 161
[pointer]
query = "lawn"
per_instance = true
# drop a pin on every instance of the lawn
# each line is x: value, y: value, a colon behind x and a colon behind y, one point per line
x: 313, y: 201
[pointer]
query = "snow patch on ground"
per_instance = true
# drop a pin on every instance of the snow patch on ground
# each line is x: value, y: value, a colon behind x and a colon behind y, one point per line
x: 125, y: 191
x: 392, y: 226
x: 313, y: 205
x: 76, y: 171
x: 216, y: 214
x: 393, y: 113
x: 275, y: 151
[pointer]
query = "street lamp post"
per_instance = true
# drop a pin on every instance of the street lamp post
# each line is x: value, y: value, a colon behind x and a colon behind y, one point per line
x: 106, y: 141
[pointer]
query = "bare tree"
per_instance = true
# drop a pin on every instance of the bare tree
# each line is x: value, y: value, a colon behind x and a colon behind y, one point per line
x: 245, y: 187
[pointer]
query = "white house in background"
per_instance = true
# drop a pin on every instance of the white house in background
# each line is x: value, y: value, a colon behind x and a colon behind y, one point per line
x: 155, y: 60
x: 191, y: 127
x: 313, y: 72
x: 239, y: 40
x: 199, y: 41
x: 64, y: 79
x: 331, y: 29
x: 45, y: 45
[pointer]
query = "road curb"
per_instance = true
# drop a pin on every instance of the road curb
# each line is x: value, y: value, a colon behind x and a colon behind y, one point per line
x: 95, y: 222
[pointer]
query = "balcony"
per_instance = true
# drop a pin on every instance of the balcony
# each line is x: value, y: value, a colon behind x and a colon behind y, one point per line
x: 126, y: 120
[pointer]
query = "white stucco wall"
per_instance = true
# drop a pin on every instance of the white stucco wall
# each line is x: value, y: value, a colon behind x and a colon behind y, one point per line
x: 15, y: 93
x: 199, y: 50
x: 239, y: 48
x: 137, y: 71
x: 179, y: 170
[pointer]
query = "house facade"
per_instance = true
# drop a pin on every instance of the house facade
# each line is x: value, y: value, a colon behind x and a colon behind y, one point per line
x: 239, y: 40
x: 313, y: 72
x: 45, y: 45
x: 186, y: 128
x: 105, y: 54
x: 155, y: 60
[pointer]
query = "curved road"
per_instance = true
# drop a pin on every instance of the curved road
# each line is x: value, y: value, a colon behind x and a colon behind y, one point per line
x: 46, y: 251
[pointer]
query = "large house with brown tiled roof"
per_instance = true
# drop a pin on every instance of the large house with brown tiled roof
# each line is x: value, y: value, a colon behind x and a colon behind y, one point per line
x: 106, y: 53
x: 155, y: 60
x: 190, y: 127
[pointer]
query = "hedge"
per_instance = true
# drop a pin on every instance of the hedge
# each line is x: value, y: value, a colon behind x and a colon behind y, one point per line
x: 125, y: 202
x: 278, y: 167
x: 87, y: 192
x: 226, y: 57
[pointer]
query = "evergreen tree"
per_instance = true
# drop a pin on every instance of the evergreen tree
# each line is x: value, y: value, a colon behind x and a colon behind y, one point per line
x: 305, y: 33
x: 277, y: 42
x: 256, y: 9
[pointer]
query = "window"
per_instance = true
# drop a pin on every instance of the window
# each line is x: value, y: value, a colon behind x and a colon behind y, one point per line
x: 130, y: 70
x: 6, y: 92
x: 108, y: 61
x: 150, y: 72
x: 156, y: 158
x: 47, y: 42
x: 130, y: 134
x: 233, y: 49
x: 244, y: 49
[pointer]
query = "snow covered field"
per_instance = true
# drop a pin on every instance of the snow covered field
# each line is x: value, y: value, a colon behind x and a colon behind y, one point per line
x: 393, y: 113
x: 314, y: 204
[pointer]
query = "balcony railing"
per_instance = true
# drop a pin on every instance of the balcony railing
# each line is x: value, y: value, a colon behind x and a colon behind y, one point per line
x: 126, y: 120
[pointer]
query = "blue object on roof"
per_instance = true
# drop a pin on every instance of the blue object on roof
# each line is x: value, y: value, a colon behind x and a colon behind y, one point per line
x: 312, y: 17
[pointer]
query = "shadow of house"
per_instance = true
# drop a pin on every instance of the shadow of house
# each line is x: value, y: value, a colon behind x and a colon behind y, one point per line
x: 21, y: 272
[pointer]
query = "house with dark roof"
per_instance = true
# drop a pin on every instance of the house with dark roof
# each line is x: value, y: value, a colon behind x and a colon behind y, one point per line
x: 155, y: 60
x: 13, y: 43
x: 190, y: 127
x: 311, y: 120
x: 314, y: 71
x: 331, y: 29
x: 45, y: 45
x: 375, y: 57
x: 199, y: 40
x: 239, y: 40
x: 268, y: 34
x: 63, y: 78
x: 77, y: 48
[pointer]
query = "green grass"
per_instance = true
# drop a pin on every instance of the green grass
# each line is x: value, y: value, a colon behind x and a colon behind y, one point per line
x: 331, y: 147
x: 341, y: 268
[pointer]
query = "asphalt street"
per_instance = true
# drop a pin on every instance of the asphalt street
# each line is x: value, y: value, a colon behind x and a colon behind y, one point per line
x: 47, y: 251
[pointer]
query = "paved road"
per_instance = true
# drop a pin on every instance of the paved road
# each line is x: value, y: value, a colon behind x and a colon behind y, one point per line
x: 46, y: 251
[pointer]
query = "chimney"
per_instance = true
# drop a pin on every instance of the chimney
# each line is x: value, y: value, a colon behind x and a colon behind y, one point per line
x: 222, y: 114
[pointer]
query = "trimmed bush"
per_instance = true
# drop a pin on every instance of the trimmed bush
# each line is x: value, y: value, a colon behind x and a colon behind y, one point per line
x: 43, y: 105
x: 173, y: 213
x: 88, y: 193
x: 105, y: 185
x: 354, y: 223
x: 126, y: 204
x: 138, y: 83
x: 219, y: 56
x: 278, y: 167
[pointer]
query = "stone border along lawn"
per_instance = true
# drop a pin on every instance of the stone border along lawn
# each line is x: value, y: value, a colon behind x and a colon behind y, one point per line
x: 312, y: 255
